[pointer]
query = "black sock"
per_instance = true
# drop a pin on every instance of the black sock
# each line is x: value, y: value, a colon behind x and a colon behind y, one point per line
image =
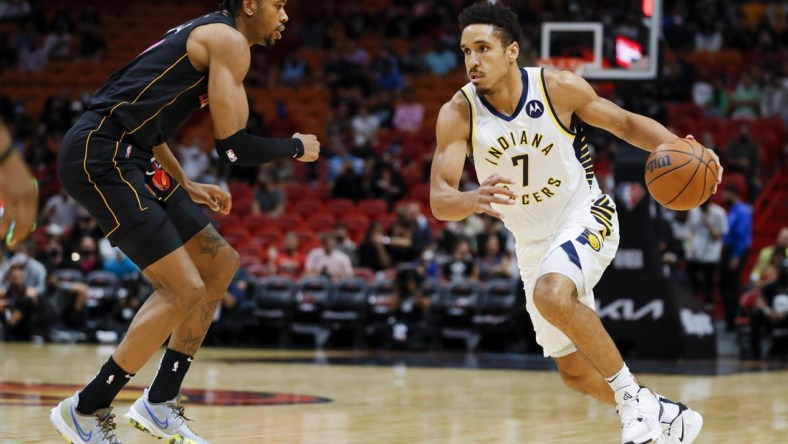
x: 100, y: 392
x: 169, y: 377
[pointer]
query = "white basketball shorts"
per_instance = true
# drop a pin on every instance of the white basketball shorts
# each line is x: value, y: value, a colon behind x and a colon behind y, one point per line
x: 581, y: 249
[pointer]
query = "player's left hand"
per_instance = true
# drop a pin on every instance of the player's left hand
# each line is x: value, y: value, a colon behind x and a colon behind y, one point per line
x: 716, y: 160
x: 216, y: 198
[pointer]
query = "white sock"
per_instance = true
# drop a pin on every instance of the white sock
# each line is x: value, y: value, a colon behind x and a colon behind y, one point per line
x: 622, y: 379
x: 670, y: 410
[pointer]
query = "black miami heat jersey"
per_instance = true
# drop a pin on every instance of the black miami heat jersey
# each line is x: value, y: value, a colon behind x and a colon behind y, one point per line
x: 155, y: 93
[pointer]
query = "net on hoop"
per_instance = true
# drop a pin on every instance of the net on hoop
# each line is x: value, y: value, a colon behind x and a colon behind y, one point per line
x: 574, y: 64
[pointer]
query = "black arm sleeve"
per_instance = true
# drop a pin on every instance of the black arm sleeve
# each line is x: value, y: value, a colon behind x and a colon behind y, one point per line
x: 243, y: 148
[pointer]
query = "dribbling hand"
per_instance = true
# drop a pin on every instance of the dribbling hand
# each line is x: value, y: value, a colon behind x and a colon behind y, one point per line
x: 311, y: 147
x: 216, y: 198
x: 716, y: 160
x: 494, y: 190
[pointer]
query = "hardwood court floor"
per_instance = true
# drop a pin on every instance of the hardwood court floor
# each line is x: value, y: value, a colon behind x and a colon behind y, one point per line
x: 391, y: 401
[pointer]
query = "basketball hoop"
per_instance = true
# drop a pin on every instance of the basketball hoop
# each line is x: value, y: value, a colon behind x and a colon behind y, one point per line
x: 574, y: 64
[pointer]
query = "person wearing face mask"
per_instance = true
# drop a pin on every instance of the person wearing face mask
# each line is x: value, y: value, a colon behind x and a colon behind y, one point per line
x: 771, y: 313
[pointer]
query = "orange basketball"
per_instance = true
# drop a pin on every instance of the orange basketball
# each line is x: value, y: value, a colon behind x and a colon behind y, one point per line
x: 680, y: 174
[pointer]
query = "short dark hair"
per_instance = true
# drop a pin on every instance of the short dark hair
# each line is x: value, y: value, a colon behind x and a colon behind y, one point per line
x: 230, y: 6
x: 497, y: 14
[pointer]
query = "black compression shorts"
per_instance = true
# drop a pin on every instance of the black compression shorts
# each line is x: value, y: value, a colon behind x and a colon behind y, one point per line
x: 139, y: 206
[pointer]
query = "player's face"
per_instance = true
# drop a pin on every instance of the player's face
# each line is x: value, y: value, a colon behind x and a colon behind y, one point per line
x: 486, y: 60
x: 271, y: 19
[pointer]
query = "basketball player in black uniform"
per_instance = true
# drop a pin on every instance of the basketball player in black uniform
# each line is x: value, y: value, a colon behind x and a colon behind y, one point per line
x: 116, y: 163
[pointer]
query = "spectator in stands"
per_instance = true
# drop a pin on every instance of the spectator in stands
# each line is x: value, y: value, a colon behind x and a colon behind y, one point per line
x: 389, y: 77
x: 269, y: 196
x: 120, y: 265
x: 34, y: 271
x: 345, y: 244
x: 287, y: 261
x: 461, y: 265
x: 86, y: 225
x: 493, y: 263
x: 774, y: 102
x: 372, y: 253
x: 339, y: 162
x: 194, y: 160
x: 235, y: 311
x: 53, y: 255
x: 767, y: 254
x: 61, y: 209
x: 14, y: 9
x: 708, y: 37
x: 746, y: 98
x: 718, y: 103
x: 62, y: 307
x: 387, y: 185
x: 58, y: 42
x: 707, y: 225
x: 18, y: 305
x: 327, y: 260
x: 339, y: 126
x: 743, y: 155
x: 32, y: 57
x: 86, y: 258
x: 439, y: 59
x: 771, y: 312
x: 348, y: 184
x: 383, y: 108
x: 365, y: 127
x: 702, y: 91
x: 295, y: 70
x: 735, y: 248
x: 92, y: 43
x: 412, y: 309
x: 409, y: 113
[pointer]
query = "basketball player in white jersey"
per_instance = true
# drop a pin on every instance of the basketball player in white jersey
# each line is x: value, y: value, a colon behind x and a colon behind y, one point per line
x: 536, y: 175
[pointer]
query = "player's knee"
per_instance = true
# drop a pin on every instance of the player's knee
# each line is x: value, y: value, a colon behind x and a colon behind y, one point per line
x: 227, y: 266
x: 185, y: 294
x: 551, y: 298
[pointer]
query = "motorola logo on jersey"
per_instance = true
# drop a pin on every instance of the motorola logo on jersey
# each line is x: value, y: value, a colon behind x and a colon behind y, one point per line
x: 534, y: 109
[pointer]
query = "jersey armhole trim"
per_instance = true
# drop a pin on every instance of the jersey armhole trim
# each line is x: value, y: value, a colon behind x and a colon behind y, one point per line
x: 472, y: 116
x: 553, y: 114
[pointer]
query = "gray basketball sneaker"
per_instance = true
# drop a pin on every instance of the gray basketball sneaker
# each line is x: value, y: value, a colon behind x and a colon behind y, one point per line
x: 98, y: 428
x: 164, y: 420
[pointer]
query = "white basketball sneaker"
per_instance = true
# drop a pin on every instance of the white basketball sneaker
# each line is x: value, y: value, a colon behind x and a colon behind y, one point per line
x: 640, y: 411
x: 684, y: 428
x: 164, y: 421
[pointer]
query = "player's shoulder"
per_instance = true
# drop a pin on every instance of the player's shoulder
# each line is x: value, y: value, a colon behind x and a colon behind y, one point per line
x: 456, y: 108
x: 220, y: 35
x: 567, y: 90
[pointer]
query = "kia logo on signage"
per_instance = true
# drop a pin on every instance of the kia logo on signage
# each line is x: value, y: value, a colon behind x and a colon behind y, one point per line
x: 624, y: 310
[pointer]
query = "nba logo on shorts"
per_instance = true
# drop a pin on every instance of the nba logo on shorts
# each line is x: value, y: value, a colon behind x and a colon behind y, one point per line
x: 231, y: 155
x: 128, y: 151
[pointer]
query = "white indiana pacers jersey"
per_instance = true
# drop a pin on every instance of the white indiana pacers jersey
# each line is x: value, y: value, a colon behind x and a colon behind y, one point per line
x: 550, y: 164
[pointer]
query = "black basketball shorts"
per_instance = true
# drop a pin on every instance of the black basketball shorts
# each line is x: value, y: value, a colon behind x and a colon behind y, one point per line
x: 140, y: 208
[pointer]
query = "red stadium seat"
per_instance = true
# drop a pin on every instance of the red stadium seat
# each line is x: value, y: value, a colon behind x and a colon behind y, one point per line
x: 321, y: 221
x: 373, y: 207
x: 340, y: 206
x: 307, y: 207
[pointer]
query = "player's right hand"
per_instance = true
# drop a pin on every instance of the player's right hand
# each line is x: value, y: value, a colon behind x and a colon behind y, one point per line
x: 495, y: 189
x: 311, y: 147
